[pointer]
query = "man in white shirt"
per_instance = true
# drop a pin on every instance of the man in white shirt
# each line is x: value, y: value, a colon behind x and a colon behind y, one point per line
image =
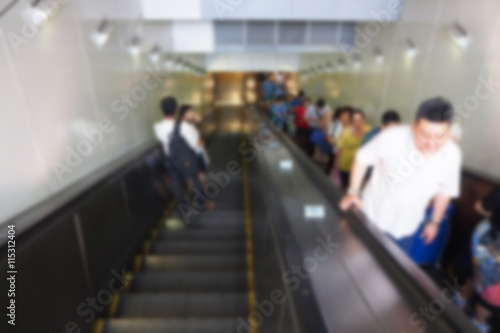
x: 413, y: 165
x: 164, y: 128
x: 164, y: 131
x: 318, y: 116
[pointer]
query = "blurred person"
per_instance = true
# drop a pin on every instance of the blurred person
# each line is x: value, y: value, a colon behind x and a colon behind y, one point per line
x: 348, y: 144
x: 203, y: 159
x: 427, y: 254
x: 279, y: 113
x: 268, y: 89
x: 389, y: 118
x: 279, y: 88
x: 303, y: 131
x: 297, y: 101
x: 290, y: 114
x: 181, y: 144
x: 486, y: 261
x: 317, y: 116
x: 413, y: 165
x: 341, y: 119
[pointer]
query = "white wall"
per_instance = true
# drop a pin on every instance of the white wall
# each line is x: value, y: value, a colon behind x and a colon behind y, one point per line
x: 56, y: 85
x: 440, y: 68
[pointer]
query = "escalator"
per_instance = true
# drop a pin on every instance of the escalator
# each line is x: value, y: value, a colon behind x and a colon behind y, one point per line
x: 197, y: 278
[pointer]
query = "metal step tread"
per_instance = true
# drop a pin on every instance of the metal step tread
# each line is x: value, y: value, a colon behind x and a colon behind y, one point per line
x: 202, y: 233
x: 197, y: 247
x: 182, y: 304
x: 172, y: 325
x: 189, y: 281
x: 188, y: 262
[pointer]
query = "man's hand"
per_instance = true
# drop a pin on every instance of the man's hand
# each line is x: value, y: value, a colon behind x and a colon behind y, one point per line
x: 430, y: 232
x: 350, y: 201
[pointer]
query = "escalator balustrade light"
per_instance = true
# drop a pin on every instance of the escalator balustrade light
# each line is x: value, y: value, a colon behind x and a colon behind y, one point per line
x: 101, y: 36
x: 459, y: 35
x: 286, y: 166
x: 134, y: 48
x: 314, y: 212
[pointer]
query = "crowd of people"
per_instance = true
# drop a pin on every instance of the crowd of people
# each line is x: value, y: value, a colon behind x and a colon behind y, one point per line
x: 403, y: 177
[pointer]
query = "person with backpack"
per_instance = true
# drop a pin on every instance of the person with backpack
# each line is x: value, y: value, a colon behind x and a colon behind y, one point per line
x: 181, y: 144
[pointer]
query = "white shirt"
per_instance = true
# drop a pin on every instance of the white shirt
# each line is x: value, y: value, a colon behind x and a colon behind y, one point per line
x: 165, y: 128
x: 404, y: 180
x: 313, y: 115
x: 334, y: 131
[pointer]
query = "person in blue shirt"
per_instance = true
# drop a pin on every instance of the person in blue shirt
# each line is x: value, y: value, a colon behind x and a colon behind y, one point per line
x: 268, y: 88
x: 279, y: 113
x: 298, y: 100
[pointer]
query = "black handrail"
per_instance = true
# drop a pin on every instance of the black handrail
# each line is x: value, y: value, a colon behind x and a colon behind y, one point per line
x: 28, y: 219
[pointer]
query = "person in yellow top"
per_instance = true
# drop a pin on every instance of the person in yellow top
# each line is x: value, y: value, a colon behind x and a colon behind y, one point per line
x: 348, y: 144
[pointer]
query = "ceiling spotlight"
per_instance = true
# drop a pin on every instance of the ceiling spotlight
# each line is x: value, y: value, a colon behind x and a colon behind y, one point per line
x: 101, y: 36
x: 411, y: 49
x: 155, y: 54
x: 379, y: 56
x: 40, y: 12
x: 134, y: 48
x: 459, y: 35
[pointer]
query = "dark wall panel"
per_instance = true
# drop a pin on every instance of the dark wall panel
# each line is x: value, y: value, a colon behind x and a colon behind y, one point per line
x: 50, y: 281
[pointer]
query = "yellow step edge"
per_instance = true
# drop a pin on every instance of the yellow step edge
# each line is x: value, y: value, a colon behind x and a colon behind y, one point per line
x: 114, y: 305
x: 98, y: 326
x: 137, y: 263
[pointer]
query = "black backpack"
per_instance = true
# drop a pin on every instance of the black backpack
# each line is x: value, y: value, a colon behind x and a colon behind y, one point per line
x: 182, y: 158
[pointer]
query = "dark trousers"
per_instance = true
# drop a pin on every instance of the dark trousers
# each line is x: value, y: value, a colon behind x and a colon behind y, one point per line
x: 177, y: 178
x: 302, y: 136
x: 345, y: 177
x: 330, y: 163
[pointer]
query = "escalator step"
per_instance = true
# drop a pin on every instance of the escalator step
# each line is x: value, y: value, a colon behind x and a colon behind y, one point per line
x: 188, y: 281
x: 210, y: 222
x: 202, y: 234
x: 174, y: 325
x: 199, y: 247
x: 200, y: 305
x: 193, y: 262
